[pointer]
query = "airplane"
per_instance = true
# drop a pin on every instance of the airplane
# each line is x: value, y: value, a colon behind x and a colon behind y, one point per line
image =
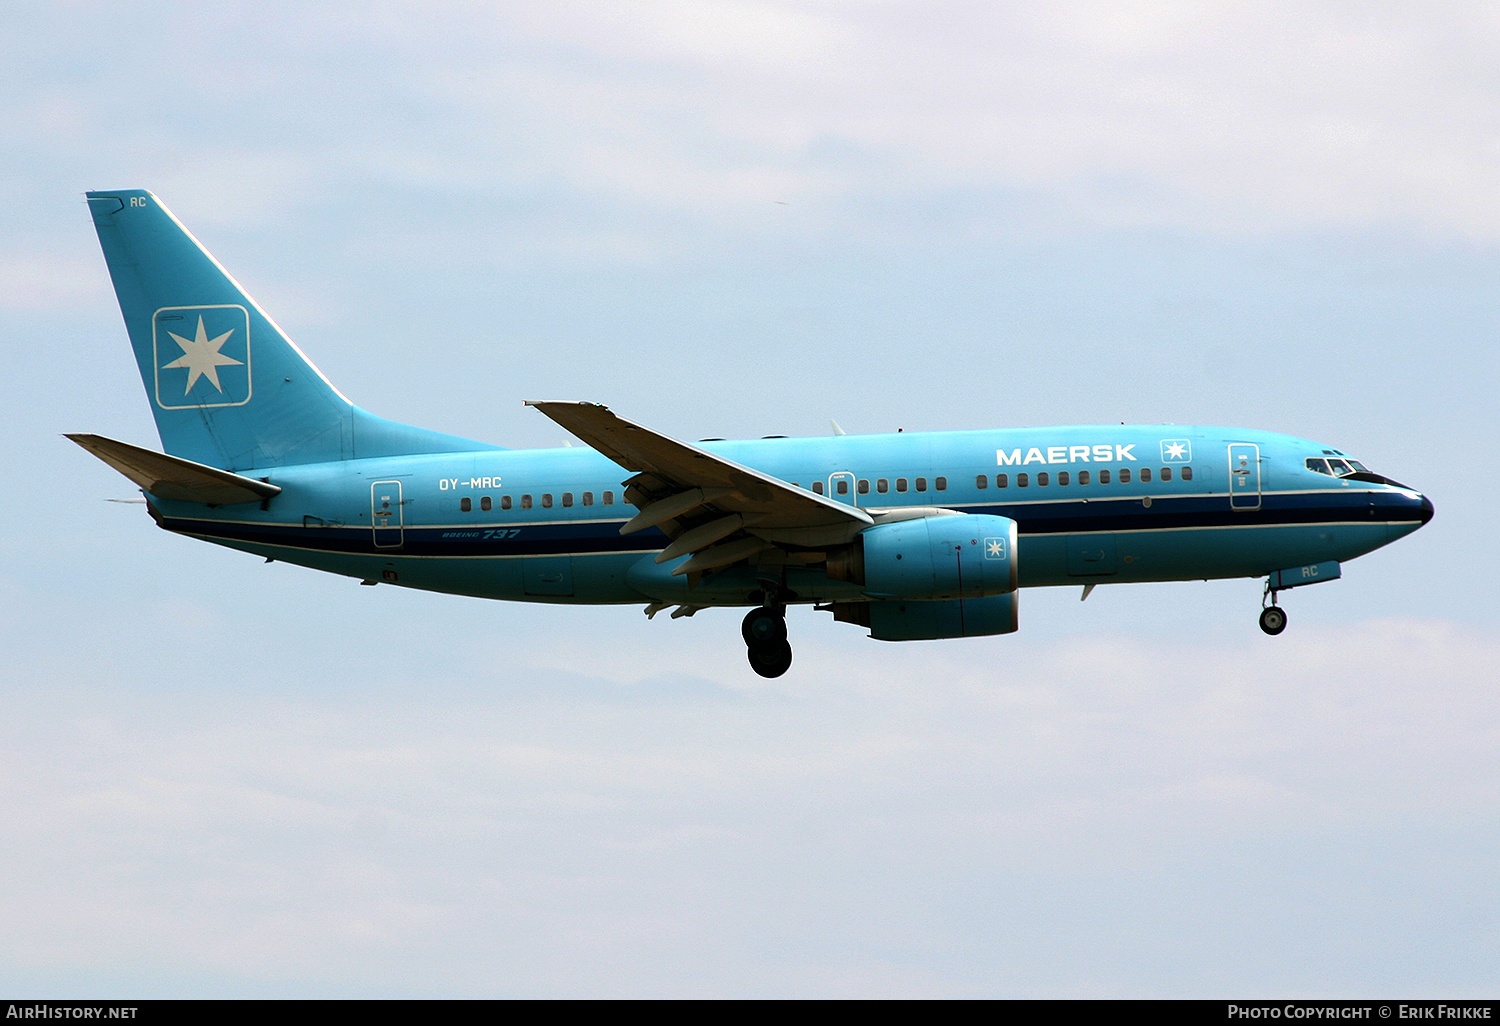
x: 910, y: 535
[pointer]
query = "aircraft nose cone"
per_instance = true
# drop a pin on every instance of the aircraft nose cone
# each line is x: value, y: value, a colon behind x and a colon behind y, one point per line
x: 1426, y: 509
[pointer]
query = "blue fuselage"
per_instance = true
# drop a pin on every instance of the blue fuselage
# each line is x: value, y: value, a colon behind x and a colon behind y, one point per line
x: 1093, y: 504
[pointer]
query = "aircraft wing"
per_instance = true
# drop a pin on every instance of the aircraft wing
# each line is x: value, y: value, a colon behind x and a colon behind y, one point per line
x: 172, y: 477
x: 715, y: 509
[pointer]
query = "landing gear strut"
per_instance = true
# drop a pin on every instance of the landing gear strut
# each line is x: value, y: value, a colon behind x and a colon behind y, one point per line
x: 1272, y: 617
x: 764, y: 631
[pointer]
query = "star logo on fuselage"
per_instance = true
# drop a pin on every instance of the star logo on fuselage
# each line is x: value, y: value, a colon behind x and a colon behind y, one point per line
x: 201, y: 357
x: 1176, y: 450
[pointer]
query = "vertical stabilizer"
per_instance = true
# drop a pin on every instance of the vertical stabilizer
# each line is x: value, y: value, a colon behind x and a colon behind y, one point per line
x: 227, y: 387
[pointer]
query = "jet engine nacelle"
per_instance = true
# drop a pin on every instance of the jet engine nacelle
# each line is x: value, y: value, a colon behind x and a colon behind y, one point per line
x: 894, y: 620
x: 962, y: 556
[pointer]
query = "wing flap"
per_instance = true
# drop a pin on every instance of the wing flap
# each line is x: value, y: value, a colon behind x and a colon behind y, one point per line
x: 682, y: 467
x: 172, y: 477
x: 717, y: 511
x: 670, y: 508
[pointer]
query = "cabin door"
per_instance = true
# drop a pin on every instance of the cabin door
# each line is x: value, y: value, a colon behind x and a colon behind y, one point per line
x: 1244, y: 476
x: 385, y: 514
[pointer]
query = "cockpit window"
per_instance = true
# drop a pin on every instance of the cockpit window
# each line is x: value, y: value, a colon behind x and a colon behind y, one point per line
x: 1334, y: 467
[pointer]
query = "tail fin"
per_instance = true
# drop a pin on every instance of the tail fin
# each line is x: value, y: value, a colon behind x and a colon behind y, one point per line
x: 227, y: 387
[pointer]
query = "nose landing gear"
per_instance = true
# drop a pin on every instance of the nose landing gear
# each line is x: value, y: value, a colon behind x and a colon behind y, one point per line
x: 764, y: 630
x: 1272, y: 617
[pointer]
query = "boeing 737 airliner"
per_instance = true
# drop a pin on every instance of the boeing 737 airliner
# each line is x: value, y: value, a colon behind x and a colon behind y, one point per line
x: 911, y: 535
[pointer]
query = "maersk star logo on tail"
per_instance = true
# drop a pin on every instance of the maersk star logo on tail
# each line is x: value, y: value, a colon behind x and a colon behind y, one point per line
x: 202, y: 356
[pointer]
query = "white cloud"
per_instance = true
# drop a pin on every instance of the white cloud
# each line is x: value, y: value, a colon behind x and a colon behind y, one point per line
x: 667, y: 121
x: 1238, y: 119
x: 587, y: 836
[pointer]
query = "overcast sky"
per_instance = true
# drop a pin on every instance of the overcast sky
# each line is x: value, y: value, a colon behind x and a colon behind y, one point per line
x: 225, y: 778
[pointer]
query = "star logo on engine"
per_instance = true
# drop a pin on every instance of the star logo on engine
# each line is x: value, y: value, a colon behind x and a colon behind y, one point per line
x: 994, y: 548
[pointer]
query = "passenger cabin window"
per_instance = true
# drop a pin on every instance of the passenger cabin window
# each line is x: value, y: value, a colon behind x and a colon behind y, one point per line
x: 900, y: 484
x: 505, y: 502
x: 1104, y: 477
x: 1002, y: 480
x: 525, y: 502
x: 1124, y: 475
x: 546, y: 500
x: 818, y: 487
x: 1062, y: 477
x: 484, y: 503
x: 864, y: 486
x: 465, y: 504
x: 1146, y: 475
x: 567, y: 499
x: 940, y: 483
x: 609, y: 498
x: 981, y: 481
x: 1083, y: 477
x: 882, y: 485
x: 1022, y: 480
x: 842, y: 486
x: 921, y: 484
x: 1166, y: 473
x: 588, y: 498
x: 1187, y: 473
x: 1043, y: 479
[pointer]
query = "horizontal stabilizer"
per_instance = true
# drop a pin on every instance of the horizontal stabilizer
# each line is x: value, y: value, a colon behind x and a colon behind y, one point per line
x: 171, y: 477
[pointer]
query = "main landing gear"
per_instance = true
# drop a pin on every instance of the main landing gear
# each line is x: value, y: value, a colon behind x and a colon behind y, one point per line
x: 1272, y: 617
x: 765, y: 638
